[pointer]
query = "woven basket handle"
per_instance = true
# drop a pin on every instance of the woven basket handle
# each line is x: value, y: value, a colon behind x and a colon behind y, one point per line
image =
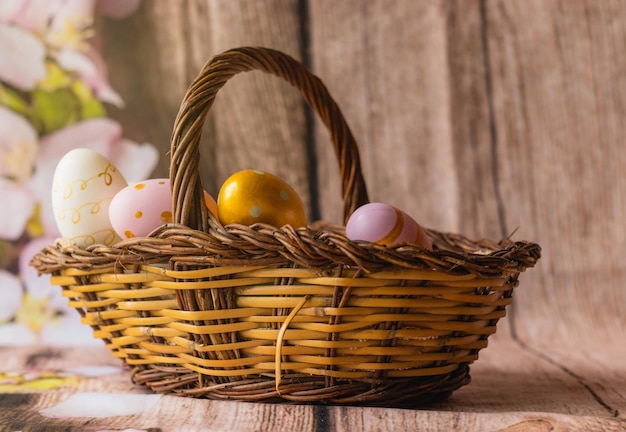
x: 187, y: 193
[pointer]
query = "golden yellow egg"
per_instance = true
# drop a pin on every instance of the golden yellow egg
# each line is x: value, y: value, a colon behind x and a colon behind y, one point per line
x: 250, y: 196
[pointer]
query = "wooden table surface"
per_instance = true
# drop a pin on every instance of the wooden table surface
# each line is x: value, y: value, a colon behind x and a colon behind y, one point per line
x: 515, y: 387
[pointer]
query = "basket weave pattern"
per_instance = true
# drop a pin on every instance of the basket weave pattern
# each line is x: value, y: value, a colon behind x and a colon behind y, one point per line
x: 257, y: 313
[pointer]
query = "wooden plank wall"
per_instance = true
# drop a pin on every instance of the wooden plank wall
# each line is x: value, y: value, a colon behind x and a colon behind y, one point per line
x: 483, y: 117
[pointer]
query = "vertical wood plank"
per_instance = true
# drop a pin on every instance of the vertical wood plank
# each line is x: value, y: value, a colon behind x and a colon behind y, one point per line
x: 260, y: 120
x: 371, y: 62
x: 417, y: 103
x: 390, y: 80
x: 558, y: 93
x: 479, y: 208
x: 151, y: 62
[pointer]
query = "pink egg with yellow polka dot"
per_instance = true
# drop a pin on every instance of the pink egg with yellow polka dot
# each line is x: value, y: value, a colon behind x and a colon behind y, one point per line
x: 140, y: 208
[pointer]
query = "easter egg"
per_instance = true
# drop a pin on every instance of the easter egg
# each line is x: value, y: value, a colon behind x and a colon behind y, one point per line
x: 83, y: 185
x: 252, y: 196
x: 140, y: 208
x: 210, y: 203
x: 386, y: 225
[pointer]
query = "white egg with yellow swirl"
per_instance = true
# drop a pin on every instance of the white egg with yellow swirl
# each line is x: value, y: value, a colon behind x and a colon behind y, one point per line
x: 83, y: 186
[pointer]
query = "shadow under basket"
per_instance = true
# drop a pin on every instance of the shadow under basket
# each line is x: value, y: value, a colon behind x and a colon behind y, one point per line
x: 258, y: 313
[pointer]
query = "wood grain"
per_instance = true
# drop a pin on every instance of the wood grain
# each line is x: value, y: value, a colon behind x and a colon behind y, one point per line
x: 557, y: 100
x: 387, y: 69
x: 497, y: 399
x: 478, y: 116
x: 259, y: 119
x: 153, y: 81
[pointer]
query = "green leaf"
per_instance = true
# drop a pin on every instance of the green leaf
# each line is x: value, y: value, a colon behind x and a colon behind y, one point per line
x: 92, y: 109
x: 34, y: 225
x: 82, y: 91
x: 55, y: 79
x: 90, y: 105
x: 13, y: 101
x: 55, y: 109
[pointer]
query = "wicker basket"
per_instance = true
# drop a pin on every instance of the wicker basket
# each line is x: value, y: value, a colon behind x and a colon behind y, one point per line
x: 256, y: 313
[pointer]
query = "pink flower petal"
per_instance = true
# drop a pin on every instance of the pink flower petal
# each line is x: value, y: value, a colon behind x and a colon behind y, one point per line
x: 12, y: 334
x: 68, y: 330
x: 135, y: 161
x: 96, y: 134
x: 21, y: 58
x: 18, y: 146
x: 11, y: 9
x: 68, y: 21
x: 12, y: 295
x: 19, y: 203
x: 92, y: 72
x: 32, y: 15
x: 38, y: 287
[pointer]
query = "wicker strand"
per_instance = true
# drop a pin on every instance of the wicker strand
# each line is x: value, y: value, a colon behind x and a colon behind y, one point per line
x: 280, y: 339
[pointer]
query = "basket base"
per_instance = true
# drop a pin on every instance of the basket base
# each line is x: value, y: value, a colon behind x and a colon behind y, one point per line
x: 306, y: 389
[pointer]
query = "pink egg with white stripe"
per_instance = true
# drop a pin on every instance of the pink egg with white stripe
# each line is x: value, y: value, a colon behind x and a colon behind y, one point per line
x: 386, y: 225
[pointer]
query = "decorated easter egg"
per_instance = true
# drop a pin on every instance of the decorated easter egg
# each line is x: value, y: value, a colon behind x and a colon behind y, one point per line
x: 252, y: 196
x: 140, y: 208
x: 83, y: 185
x: 386, y: 225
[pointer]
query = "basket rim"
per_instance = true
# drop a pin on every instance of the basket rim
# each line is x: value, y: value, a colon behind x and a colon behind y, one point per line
x: 306, y: 247
x: 198, y: 238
